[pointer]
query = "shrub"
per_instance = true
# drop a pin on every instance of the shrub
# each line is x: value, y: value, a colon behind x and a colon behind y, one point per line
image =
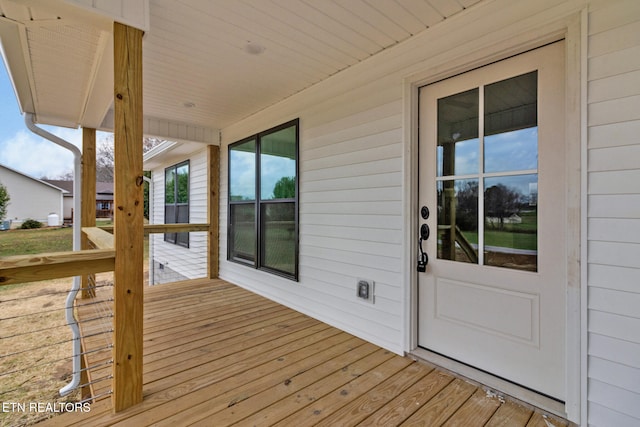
x: 30, y: 223
x: 4, y: 201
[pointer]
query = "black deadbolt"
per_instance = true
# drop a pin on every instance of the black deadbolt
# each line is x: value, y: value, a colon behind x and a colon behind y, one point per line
x: 424, y: 212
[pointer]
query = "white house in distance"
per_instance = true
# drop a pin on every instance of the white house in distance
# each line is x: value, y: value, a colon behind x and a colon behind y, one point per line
x: 31, y: 198
x: 363, y: 145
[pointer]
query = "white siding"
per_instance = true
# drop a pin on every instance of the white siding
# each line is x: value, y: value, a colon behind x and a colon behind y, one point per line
x: 352, y: 210
x: 350, y: 223
x: 30, y: 198
x: 614, y: 213
x: 188, y: 262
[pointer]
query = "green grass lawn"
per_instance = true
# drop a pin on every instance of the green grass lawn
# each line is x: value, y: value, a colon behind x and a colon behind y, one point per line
x: 505, y: 239
x: 40, y: 240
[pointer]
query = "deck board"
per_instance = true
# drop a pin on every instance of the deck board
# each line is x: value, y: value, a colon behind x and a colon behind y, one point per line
x: 215, y: 354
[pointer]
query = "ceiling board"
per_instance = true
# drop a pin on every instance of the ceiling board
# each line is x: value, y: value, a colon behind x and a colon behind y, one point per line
x: 195, y: 52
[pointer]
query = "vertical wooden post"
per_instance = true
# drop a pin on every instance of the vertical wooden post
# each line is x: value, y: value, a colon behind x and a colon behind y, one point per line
x: 213, y: 208
x: 88, y: 214
x: 128, y: 218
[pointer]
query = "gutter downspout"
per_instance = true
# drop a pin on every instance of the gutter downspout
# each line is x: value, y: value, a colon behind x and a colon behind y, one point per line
x: 77, y: 230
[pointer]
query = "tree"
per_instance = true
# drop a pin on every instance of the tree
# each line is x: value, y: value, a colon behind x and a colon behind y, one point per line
x: 467, y: 205
x: 285, y: 188
x: 4, y: 201
x: 501, y: 201
x: 105, y: 158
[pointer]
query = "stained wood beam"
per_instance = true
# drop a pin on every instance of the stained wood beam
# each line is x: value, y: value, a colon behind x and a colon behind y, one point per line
x: 88, y: 205
x: 213, y: 208
x: 128, y: 218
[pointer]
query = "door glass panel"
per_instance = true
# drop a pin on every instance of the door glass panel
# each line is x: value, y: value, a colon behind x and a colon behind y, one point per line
x: 458, y: 220
x: 503, y: 161
x: 510, y: 124
x: 511, y: 222
x: 511, y: 151
x: 458, y: 149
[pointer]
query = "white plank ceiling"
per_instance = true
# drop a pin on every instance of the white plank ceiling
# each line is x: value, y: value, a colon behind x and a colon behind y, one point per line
x: 197, y: 65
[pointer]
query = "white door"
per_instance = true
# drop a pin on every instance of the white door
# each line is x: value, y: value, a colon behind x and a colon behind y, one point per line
x: 492, y: 176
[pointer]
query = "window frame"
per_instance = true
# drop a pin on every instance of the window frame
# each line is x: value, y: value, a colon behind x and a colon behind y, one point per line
x: 178, y: 239
x: 258, y: 204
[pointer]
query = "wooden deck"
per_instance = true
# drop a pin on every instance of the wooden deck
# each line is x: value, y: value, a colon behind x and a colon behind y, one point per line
x: 217, y: 355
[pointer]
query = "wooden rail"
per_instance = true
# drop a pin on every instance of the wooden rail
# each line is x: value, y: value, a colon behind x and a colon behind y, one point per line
x: 100, y: 238
x: 166, y: 228
x: 32, y: 268
x: 54, y: 265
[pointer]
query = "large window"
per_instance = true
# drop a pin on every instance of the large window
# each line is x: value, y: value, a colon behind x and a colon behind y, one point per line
x: 176, y: 201
x: 263, y: 200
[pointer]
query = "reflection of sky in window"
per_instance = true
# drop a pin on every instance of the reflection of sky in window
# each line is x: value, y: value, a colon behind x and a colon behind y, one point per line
x: 243, y: 175
x: 466, y: 160
x: 272, y: 170
x: 503, y: 152
x: 511, y: 151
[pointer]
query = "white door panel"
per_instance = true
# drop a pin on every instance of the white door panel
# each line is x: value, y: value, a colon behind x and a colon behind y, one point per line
x: 492, y: 174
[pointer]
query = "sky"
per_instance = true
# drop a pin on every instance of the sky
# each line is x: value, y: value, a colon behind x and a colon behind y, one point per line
x: 24, y: 151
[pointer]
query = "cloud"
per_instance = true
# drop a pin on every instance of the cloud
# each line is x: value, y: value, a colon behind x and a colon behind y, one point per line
x: 37, y: 157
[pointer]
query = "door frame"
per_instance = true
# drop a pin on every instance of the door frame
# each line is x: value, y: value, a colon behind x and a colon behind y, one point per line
x: 477, y: 53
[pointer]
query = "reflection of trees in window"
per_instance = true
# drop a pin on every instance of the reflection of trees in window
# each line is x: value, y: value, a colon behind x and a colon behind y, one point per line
x: 467, y: 209
x: 501, y: 202
x: 285, y: 188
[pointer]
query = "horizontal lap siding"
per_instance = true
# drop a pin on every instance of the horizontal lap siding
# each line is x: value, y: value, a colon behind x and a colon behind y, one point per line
x: 352, y: 173
x: 189, y: 262
x: 350, y: 177
x: 614, y: 213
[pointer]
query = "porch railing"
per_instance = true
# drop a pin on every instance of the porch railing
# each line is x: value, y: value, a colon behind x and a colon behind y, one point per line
x: 38, y: 267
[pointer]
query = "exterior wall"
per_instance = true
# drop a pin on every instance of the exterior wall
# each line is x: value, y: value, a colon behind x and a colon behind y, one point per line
x: 353, y: 214
x: 30, y: 198
x: 353, y: 201
x: 178, y: 262
x: 68, y: 207
x: 353, y: 205
x: 614, y: 213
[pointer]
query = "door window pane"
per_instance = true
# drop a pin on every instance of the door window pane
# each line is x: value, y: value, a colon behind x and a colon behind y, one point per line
x: 278, y: 165
x: 458, y: 151
x: 511, y: 124
x: 242, y: 171
x: 458, y: 220
x: 505, y: 168
x: 511, y: 221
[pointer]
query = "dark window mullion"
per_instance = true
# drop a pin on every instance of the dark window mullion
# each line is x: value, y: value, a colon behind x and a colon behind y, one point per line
x: 258, y: 206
